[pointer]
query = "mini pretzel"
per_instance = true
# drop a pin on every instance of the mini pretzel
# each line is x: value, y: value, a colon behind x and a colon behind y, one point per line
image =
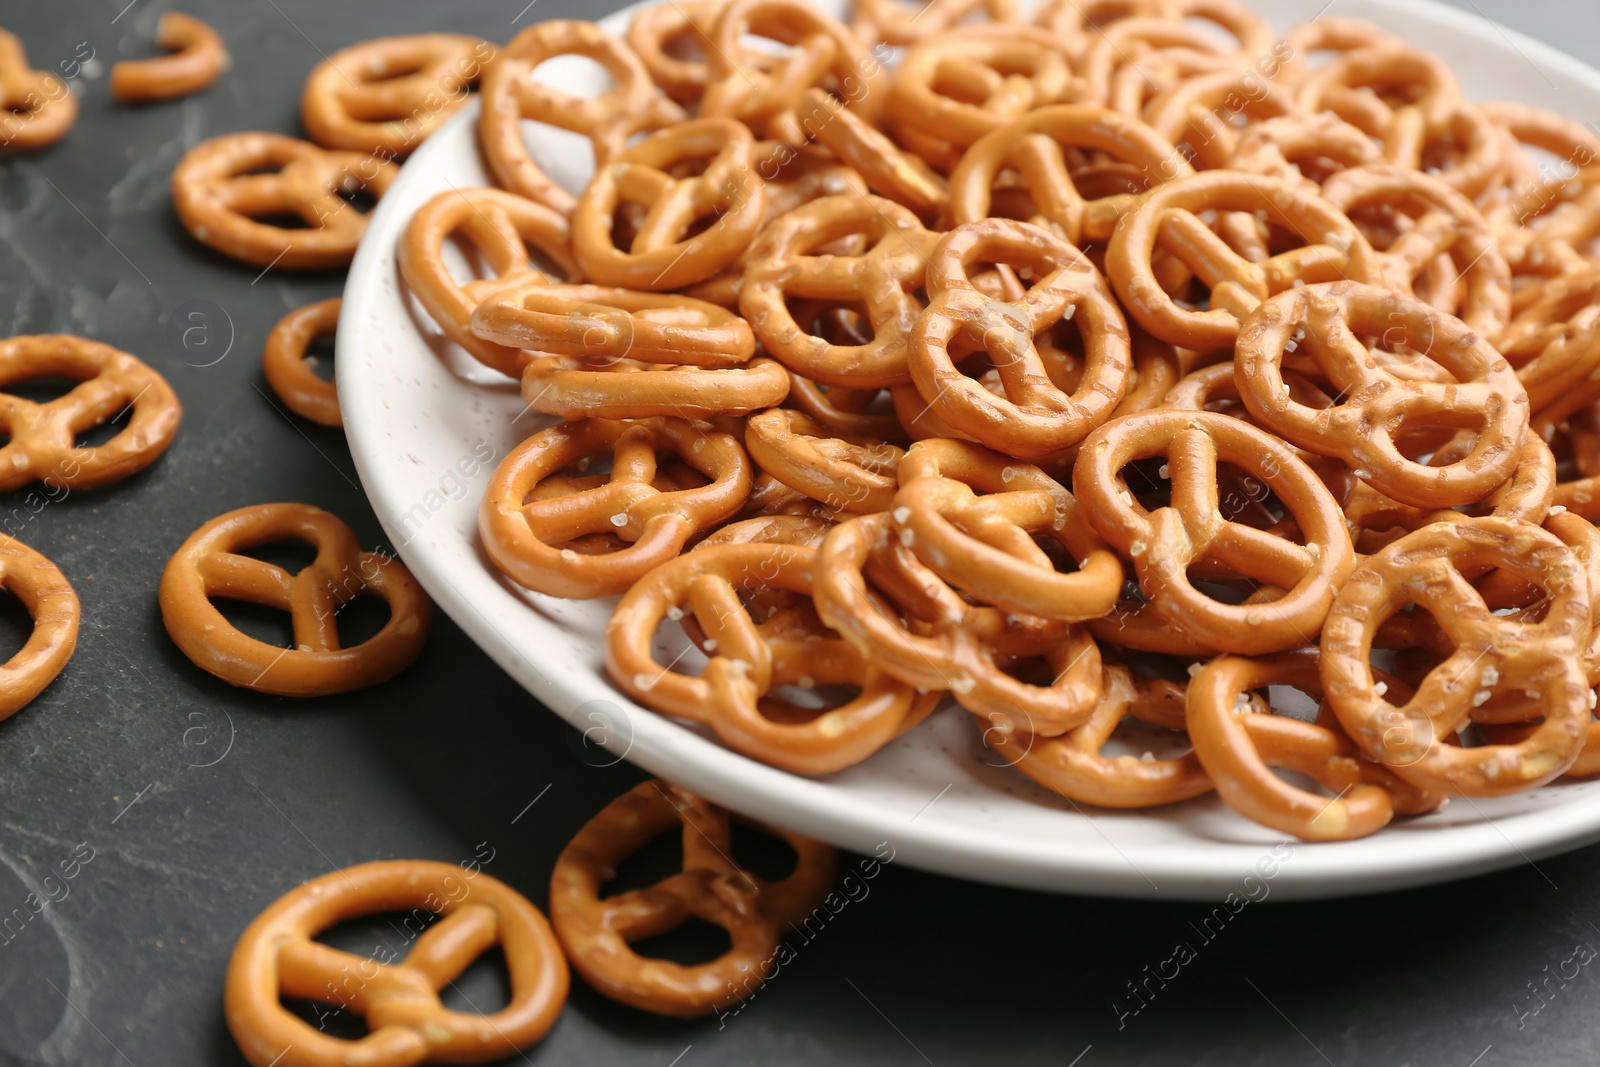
x: 1536, y: 655
x: 1073, y: 766
x: 1238, y: 746
x: 901, y: 176
x: 597, y: 932
x: 288, y: 368
x: 1189, y: 113
x: 671, y: 41
x: 985, y: 543
x: 1005, y: 69
x: 1170, y: 219
x: 387, y: 95
x: 529, y: 539
x: 1304, y: 148
x: 1421, y: 94
x: 1079, y: 21
x: 1443, y: 223
x: 36, y: 107
x: 197, y: 60
x: 50, y: 600
x: 944, y: 641
x: 1530, y: 193
x: 765, y: 92
x: 662, y: 254
x: 211, y: 564
x: 277, y: 956
x: 1165, y: 543
x: 1527, y: 495
x: 501, y: 227
x: 42, y: 436
x: 575, y: 388
x: 600, y: 323
x: 1379, y: 405
x: 1130, y: 61
x: 750, y: 660
x: 788, y: 263
x: 219, y: 194
x: 1036, y: 416
x: 510, y: 94
x: 1034, y: 146
x: 890, y: 22
x: 846, y: 472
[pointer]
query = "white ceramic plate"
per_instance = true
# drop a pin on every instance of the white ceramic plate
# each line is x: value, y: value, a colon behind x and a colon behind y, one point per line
x: 426, y: 425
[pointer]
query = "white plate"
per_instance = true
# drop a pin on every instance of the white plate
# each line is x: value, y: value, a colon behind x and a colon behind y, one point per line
x: 420, y: 416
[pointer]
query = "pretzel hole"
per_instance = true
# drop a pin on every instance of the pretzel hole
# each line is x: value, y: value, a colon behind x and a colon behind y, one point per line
x: 282, y: 220
x: 319, y: 357
x: 359, y: 198
x: 41, y: 390
x: 16, y: 626
x: 765, y: 855
x: 360, y: 619
x: 99, y: 434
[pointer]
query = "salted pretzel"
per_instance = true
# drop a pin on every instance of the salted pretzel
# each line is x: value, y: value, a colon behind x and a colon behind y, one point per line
x: 1530, y: 193
x: 901, y: 176
x: 1035, y: 416
x: 766, y: 93
x: 1238, y: 746
x: 575, y: 388
x: 1528, y: 495
x: 671, y: 41
x: 1303, y: 148
x: 289, y: 369
x: 846, y: 472
x: 501, y: 227
x: 222, y: 186
x: 894, y: 24
x: 1443, y: 223
x: 387, y: 95
x: 278, y: 956
x: 36, y: 107
x: 664, y: 252
x: 1036, y: 145
x: 510, y: 94
x: 1129, y: 62
x: 749, y: 660
x: 42, y: 436
x: 1536, y: 654
x: 846, y: 411
x: 788, y: 262
x: 932, y: 638
x: 53, y: 605
x: 1166, y: 542
x: 1073, y: 764
x: 1170, y: 219
x: 959, y: 85
x: 972, y: 516
x: 1082, y: 21
x: 601, y: 323
x: 1190, y: 112
x: 1330, y: 34
x: 1378, y: 406
x: 197, y: 59
x: 211, y: 564
x: 597, y: 931
x: 532, y: 540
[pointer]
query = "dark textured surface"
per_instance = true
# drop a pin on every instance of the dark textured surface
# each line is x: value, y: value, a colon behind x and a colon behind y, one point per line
x: 128, y: 967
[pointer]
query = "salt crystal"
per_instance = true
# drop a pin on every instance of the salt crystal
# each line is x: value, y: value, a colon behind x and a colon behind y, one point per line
x: 901, y: 514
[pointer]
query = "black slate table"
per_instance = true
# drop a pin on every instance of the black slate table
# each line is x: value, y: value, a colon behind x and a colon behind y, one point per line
x: 183, y: 806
